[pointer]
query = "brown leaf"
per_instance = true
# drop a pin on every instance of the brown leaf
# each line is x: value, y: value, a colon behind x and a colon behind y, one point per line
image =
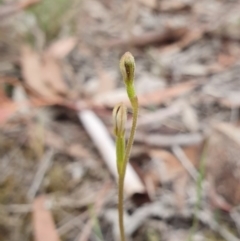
x: 159, y: 96
x: 169, y: 166
x: 223, y: 163
x: 7, y: 110
x: 189, y: 117
x: 149, y: 3
x: 166, y: 6
x: 173, y: 6
x: 61, y: 48
x: 44, y: 228
x: 189, y: 38
x: 32, y: 72
x: 42, y: 75
x: 161, y: 36
x: 51, y: 66
x: 193, y: 153
x: 106, y: 82
x: 171, y: 170
x: 52, y: 74
x: 27, y: 3
x: 226, y: 60
x: 8, y: 107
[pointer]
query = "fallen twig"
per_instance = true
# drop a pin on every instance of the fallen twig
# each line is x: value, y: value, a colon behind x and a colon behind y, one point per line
x: 44, y: 165
x: 169, y: 140
x: 154, y: 37
x: 186, y: 163
x: 16, y: 208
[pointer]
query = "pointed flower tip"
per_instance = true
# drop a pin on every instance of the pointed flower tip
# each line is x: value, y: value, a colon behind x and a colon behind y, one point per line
x: 128, y: 59
x: 127, y: 67
x: 119, y: 119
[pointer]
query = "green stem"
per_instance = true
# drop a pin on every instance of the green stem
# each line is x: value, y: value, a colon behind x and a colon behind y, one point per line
x: 134, y: 103
x: 120, y: 148
x: 127, y: 67
x: 120, y: 207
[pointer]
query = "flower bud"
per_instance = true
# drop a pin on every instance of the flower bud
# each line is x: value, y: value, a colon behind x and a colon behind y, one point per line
x: 127, y: 67
x: 119, y: 119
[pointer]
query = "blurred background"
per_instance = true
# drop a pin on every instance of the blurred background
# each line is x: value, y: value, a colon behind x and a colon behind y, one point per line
x: 59, y: 81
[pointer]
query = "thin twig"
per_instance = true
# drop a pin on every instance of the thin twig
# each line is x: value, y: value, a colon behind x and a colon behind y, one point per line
x: 43, y: 167
x: 186, y: 163
x: 16, y: 208
x: 215, y: 226
x: 169, y: 140
x: 70, y: 224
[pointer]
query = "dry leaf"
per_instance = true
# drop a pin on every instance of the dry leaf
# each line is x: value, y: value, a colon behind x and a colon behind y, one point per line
x: 171, y: 170
x: 44, y: 228
x: 27, y: 3
x: 226, y: 60
x: 188, y: 39
x: 7, y: 110
x: 189, y: 118
x: 193, y: 153
x: 159, y: 96
x: 168, y: 166
x: 223, y: 163
x: 149, y: 3
x: 161, y: 36
x: 43, y: 75
x: 32, y: 72
x: 106, y: 82
x: 8, y: 107
x: 52, y: 74
x: 166, y: 6
x: 172, y: 6
x: 61, y: 48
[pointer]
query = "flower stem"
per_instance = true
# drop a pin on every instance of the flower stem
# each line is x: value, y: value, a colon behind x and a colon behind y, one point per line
x: 122, y: 171
x: 127, y: 67
x: 120, y: 207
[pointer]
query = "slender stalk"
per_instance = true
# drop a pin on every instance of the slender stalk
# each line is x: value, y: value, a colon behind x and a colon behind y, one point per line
x: 120, y: 149
x: 134, y: 103
x: 127, y: 67
x: 120, y: 207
